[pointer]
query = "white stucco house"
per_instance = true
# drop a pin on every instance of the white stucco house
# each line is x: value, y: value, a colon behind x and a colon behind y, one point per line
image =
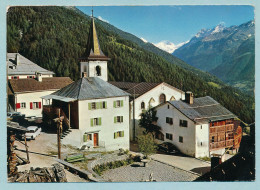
x: 145, y: 95
x: 24, y: 95
x: 27, y: 82
x: 198, y: 127
x: 95, y: 111
x: 19, y: 67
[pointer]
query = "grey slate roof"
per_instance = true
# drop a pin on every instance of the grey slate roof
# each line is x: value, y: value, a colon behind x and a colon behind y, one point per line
x: 25, y: 66
x: 89, y: 88
x: 204, y: 109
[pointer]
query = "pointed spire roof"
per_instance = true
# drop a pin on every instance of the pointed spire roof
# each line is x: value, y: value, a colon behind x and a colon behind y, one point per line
x: 93, y: 51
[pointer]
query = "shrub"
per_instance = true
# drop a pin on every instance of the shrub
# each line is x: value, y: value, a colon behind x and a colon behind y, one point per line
x: 146, y: 145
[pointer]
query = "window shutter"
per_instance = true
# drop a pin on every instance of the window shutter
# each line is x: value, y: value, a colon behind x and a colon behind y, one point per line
x: 40, y: 105
x: 99, y: 121
x: 97, y: 105
x: 18, y: 77
x: 121, y: 118
x: 114, y: 104
x: 106, y: 105
x: 18, y: 105
x: 122, y: 133
x: 114, y: 119
x: 115, y: 135
x: 31, y: 105
x: 100, y: 105
x: 91, y: 122
x: 121, y: 103
x: 85, y: 136
x: 89, y: 106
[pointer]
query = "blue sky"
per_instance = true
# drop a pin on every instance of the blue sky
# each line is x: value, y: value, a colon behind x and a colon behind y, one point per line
x: 173, y: 23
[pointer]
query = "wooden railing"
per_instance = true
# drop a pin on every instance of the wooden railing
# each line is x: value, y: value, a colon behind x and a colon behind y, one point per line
x: 216, y: 145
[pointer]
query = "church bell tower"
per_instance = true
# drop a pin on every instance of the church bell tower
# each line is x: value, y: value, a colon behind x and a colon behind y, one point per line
x: 94, y: 62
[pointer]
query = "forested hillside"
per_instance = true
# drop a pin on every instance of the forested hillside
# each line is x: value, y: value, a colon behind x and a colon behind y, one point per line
x: 55, y: 37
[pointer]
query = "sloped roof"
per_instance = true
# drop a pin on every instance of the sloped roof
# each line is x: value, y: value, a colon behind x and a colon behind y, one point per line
x: 31, y: 85
x: 136, y: 89
x: 204, y: 109
x: 89, y: 88
x: 93, y: 50
x: 25, y: 66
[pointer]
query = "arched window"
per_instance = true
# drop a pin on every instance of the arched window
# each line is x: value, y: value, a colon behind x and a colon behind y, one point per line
x: 142, y: 105
x: 98, y: 70
x: 162, y: 98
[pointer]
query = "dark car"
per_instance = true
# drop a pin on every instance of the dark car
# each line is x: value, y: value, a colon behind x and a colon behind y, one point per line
x: 168, y: 148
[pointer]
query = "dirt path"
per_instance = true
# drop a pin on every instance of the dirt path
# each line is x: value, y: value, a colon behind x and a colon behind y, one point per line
x: 41, y: 154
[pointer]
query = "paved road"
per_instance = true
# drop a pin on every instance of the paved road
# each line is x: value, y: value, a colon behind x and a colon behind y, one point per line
x: 182, y: 162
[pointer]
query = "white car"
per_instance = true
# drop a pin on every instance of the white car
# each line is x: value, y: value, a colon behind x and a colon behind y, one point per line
x: 32, y: 132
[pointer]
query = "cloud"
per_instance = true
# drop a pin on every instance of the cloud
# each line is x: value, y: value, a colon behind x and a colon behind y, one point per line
x: 169, y: 46
x: 104, y: 20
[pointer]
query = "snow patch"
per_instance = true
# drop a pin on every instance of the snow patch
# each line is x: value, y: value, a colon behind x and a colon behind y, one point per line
x: 169, y: 46
x: 102, y: 19
x: 144, y: 40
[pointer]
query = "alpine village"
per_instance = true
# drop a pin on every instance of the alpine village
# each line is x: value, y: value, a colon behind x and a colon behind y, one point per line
x: 87, y: 102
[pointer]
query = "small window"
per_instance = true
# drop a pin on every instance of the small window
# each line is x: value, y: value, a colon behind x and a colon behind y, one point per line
x: 36, y: 105
x: 200, y: 143
x: 169, y: 120
x: 95, y: 121
x: 168, y: 106
x: 168, y: 136
x: 118, y: 103
x: 180, y: 139
x: 119, y: 119
x: 212, y: 139
x: 103, y: 104
x: 118, y: 134
x: 159, y: 136
x: 142, y: 105
x: 183, y: 123
x: 89, y: 137
x: 201, y: 127
x: 93, y: 105
x: 23, y: 105
x: 162, y: 98
x: 98, y: 70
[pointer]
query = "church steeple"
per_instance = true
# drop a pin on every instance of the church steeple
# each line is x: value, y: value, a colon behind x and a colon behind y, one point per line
x: 94, y: 62
x: 93, y: 50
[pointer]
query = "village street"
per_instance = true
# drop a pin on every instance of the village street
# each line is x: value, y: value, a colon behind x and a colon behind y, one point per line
x: 183, y: 162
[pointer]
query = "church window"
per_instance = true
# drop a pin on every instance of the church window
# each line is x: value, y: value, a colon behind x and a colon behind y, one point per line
x: 162, y: 98
x: 98, y: 70
x: 142, y: 105
x: 93, y: 105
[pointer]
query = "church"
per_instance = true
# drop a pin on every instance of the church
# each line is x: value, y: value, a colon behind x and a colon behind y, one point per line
x: 95, y: 111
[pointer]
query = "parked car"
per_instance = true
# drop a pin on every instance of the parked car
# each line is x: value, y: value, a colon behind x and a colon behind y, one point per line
x: 32, y: 132
x: 13, y: 114
x: 168, y: 148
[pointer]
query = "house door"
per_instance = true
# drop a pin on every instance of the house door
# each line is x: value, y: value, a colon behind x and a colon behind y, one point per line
x: 95, y: 139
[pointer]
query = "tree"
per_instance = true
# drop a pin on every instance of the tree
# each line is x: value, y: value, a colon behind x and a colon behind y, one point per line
x: 148, y: 121
x: 146, y: 144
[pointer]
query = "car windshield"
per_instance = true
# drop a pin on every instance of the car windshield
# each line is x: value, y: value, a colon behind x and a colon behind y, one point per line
x: 9, y: 114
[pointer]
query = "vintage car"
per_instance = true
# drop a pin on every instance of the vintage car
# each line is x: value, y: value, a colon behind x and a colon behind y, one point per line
x: 32, y: 132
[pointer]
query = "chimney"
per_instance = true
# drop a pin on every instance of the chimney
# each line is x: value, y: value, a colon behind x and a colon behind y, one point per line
x: 17, y: 59
x: 189, y: 97
x: 38, y: 76
x: 84, y: 74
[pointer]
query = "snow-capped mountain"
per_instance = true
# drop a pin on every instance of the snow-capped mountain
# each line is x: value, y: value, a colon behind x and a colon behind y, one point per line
x: 169, y: 46
x: 226, y: 52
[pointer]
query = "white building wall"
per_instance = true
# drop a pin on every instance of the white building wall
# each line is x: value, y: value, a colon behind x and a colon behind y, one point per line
x: 90, y: 68
x: 25, y: 76
x: 155, y: 94
x: 188, y: 133
x: 202, y: 140
x: 32, y: 97
x: 107, y: 128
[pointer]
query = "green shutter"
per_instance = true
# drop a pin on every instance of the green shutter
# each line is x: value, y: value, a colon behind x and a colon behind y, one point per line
x: 91, y: 122
x: 101, y: 105
x: 97, y: 105
x: 99, y: 121
x: 122, y: 133
x: 121, y: 103
x: 114, y: 104
x: 106, y: 105
x: 115, y: 136
x: 121, y: 118
x: 114, y: 119
x: 85, y: 138
x: 89, y: 106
